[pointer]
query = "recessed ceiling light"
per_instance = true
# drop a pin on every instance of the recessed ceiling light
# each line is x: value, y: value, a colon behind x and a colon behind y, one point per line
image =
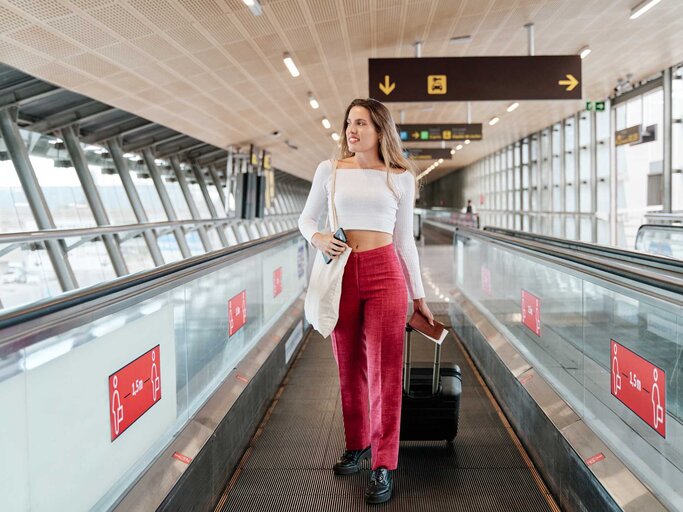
x: 452, y: 151
x: 290, y: 65
x: 335, y: 136
x: 642, y: 8
x: 311, y: 99
x: 493, y: 121
x: 512, y: 106
x: 467, y: 141
x: 326, y: 123
x: 440, y: 160
x: 460, y: 39
x: 584, y: 52
x: 254, y: 6
x: 458, y: 147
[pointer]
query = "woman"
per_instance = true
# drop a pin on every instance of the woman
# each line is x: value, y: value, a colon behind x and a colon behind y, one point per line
x: 374, y: 198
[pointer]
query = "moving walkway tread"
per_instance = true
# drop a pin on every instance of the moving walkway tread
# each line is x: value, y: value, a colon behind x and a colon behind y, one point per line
x: 288, y: 464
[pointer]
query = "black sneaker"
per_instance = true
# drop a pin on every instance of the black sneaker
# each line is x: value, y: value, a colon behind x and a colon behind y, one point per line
x: 380, y: 487
x: 348, y: 462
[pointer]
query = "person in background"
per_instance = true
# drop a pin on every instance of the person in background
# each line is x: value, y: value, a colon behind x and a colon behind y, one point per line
x: 374, y: 199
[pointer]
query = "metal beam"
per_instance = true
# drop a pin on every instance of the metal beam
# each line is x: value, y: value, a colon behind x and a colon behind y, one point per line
x: 180, y: 176
x: 179, y: 233
x: 25, y: 92
x: 75, y: 150
x: 121, y: 165
x: 177, y: 148
x: 86, y: 111
x: 199, y: 175
x: 667, y: 138
x: 34, y: 195
x: 217, y: 183
x: 120, y: 129
x: 152, y: 140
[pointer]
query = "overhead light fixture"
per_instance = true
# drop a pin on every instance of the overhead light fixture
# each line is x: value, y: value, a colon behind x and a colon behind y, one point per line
x: 440, y: 160
x: 452, y: 151
x: 458, y: 147
x: 513, y: 106
x: 493, y: 121
x: 254, y: 7
x: 335, y: 136
x: 460, y: 39
x: 55, y: 141
x: 467, y: 141
x: 290, y: 65
x: 311, y: 99
x: 584, y: 52
x: 326, y: 123
x: 642, y: 8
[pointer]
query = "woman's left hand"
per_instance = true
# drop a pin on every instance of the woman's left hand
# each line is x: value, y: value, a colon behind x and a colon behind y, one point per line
x: 421, y: 306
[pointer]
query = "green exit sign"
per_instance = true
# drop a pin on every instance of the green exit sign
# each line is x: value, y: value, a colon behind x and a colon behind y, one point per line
x: 598, y: 106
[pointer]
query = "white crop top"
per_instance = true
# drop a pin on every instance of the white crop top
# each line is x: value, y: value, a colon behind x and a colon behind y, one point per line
x: 363, y: 200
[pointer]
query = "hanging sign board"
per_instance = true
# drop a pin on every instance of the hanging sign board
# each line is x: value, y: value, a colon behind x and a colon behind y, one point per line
x: 439, y: 132
x: 427, y: 153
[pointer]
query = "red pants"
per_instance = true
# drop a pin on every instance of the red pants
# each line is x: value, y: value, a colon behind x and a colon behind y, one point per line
x: 368, y: 347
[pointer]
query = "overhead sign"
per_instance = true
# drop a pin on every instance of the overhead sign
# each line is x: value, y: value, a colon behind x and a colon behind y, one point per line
x: 439, y: 132
x: 133, y: 390
x: 546, y: 77
x: 635, y: 135
x: 598, y: 106
x: 427, y: 153
x: 639, y: 385
x: 531, y: 312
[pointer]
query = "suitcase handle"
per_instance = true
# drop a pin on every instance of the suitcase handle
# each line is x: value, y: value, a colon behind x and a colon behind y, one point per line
x: 406, y: 363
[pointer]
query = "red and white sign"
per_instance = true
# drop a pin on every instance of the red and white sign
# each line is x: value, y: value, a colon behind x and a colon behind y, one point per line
x: 237, y: 312
x: 133, y: 390
x: 181, y: 457
x: 639, y: 385
x: 531, y: 312
x: 595, y: 458
x: 486, y: 280
x: 277, y: 281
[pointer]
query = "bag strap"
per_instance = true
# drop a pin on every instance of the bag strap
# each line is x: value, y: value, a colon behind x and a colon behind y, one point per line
x: 335, y: 225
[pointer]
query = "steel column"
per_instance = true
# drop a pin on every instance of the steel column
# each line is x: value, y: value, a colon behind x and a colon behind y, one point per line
x: 667, y: 141
x: 217, y: 183
x: 166, y: 202
x: 111, y: 243
x: 36, y: 200
x: 194, y: 212
x: 594, y: 175
x: 613, y: 176
x: 212, y: 209
x: 122, y: 168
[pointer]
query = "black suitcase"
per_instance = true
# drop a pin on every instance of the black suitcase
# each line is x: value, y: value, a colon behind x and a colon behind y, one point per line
x: 431, y: 397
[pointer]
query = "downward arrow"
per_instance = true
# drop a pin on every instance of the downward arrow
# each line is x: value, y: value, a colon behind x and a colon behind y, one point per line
x: 387, y: 87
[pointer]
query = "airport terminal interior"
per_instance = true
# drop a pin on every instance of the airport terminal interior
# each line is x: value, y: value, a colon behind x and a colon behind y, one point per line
x: 157, y: 351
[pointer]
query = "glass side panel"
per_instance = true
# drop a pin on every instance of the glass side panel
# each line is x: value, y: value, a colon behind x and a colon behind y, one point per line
x: 90, y: 262
x: 199, y: 201
x: 110, y: 188
x: 136, y: 254
x: 169, y: 248
x: 149, y: 197
x: 175, y: 193
x: 26, y: 274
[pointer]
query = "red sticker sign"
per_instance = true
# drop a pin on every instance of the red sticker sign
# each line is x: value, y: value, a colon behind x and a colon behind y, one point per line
x: 639, y: 385
x: 595, y: 458
x: 237, y: 312
x: 133, y: 390
x: 486, y: 280
x: 277, y: 281
x: 531, y: 312
x: 181, y: 457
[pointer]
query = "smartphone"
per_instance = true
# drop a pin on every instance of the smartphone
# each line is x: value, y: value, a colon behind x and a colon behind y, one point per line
x: 339, y: 235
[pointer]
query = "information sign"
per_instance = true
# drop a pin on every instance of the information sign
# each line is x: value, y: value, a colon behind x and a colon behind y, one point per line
x: 428, y: 153
x: 639, y: 385
x: 531, y: 312
x: 237, y: 312
x: 439, y: 132
x: 628, y: 135
x: 133, y: 390
x: 546, y: 77
x: 277, y: 281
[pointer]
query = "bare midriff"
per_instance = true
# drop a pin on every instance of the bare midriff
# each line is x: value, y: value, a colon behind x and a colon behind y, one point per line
x: 363, y: 240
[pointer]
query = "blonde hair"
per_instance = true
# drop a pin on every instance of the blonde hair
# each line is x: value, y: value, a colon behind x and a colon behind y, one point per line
x: 390, y: 148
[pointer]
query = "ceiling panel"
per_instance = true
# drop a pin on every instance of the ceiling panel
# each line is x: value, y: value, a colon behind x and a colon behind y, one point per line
x: 212, y: 70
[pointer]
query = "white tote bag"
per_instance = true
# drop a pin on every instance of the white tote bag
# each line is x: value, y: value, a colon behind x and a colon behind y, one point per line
x: 324, y: 289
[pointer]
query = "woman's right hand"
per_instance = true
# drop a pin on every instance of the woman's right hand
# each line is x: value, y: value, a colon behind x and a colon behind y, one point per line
x: 328, y: 244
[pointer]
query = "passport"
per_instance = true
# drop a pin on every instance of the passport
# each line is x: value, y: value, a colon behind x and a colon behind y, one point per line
x: 437, y: 332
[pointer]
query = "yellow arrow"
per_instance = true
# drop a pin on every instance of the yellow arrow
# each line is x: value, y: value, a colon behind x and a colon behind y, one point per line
x: 571, y: 83
x: 416, y: 135
x: 386, y: 87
